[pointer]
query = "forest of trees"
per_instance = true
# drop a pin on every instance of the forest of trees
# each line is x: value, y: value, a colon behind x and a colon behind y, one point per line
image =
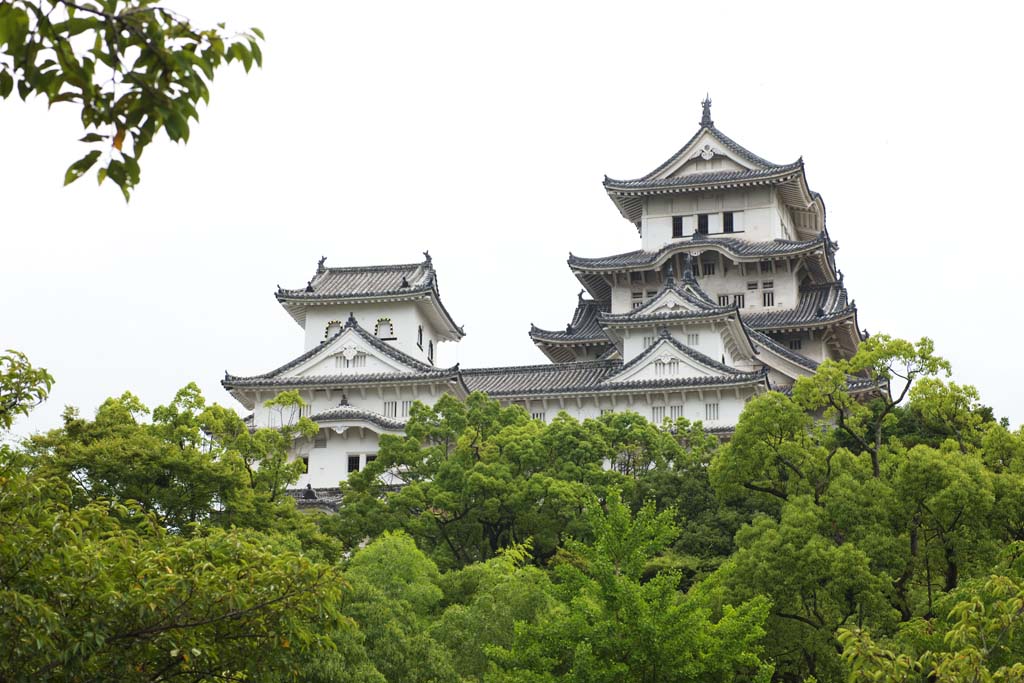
x: 829, y: 539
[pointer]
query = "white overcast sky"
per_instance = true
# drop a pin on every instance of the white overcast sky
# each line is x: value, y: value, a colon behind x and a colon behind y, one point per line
x: 481, y: 131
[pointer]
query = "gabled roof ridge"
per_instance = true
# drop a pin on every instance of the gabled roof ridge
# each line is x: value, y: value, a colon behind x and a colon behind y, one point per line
x: 691, y: 352
x: 728, y: 142
x: 396, y: 266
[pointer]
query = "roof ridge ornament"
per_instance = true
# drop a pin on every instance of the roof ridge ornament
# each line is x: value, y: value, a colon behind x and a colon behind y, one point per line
x: 351, y: 322
x: 426, y: 257
x: 309, y: 285
x: 320, y: 264
x: 705, y: 119
x: 344, y: 401
x: 688, y: 268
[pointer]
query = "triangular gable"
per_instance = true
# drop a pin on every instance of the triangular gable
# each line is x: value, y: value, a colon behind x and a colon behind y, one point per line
x: 676, y: 361
x: 349, y: 352
x: 697, y: 156
x: 672, y: 300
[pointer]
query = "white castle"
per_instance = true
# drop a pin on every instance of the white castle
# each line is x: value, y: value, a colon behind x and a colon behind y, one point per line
x: 734, y: 291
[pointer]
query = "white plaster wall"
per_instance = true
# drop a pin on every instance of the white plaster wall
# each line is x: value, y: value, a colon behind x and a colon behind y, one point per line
x: 730, y: 405
x: 367, y: 398
x: 406, y: 317
x: 328, y: 466
x: 759, y: 215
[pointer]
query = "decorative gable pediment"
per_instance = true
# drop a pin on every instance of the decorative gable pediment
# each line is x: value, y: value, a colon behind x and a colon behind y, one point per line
x: 704, y: 154
x: 670, y: 301
x: 668, y: 360
x: 349, y: 353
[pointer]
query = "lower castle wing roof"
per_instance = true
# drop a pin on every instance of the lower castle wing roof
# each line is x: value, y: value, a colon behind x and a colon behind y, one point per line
x: 583, y: 328
x: 351, y: 413
x: 818, y: 305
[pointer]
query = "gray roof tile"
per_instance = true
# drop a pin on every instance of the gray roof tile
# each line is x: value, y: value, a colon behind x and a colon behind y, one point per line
x: 730, y: 245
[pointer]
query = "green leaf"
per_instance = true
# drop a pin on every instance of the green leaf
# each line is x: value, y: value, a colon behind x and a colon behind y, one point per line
x: 76, y: 169
x: 6, y: 83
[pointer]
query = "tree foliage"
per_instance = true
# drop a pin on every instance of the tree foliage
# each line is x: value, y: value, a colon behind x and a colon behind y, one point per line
x: 133, y: 68
x: 836, y: 535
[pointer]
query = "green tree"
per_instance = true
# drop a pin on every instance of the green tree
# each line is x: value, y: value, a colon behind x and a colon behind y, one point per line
x: 22, y: 386
x: 479, y: 478
x: 132, y: 68
x: 611, y: 626
x: 395, y: 596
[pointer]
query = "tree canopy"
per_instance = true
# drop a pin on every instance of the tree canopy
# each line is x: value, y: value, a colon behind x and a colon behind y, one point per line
x: 831, y: 537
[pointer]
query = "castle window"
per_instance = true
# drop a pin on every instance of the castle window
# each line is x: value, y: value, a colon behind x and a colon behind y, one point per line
x: 651, y: 293
x: 727, y: 224
x: 638, y: 304
x: 795, y: 344
x: 702, y: 223
x: 767, y: 267
x: 390, y: 408
x: 333, y: 328
x: 406, y: 406
x: 636, y: 276
x: 541, y: 415
x: 751, y: 286
x: 305, y: 464
x: 710, y: 411
x: 709, y: 267
x: 723, y: 299
x: 677, y: 226
x: 385, y: 330
x: 648, y: 341
x: 419, y: 337
x: 370, y: 458
x: 739, y: 300
x: 320, y: 440
x: 606, y: 411
x: 768, y: 298
x: 430, y: 351
x: 657, y: 414
x: 353, y: 463
x: 692, y: 339
x: 675, y: 412
x: 768, y: 284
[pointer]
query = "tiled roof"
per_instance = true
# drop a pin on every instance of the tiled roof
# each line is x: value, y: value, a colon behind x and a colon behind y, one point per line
x: 591, y: 376
x: 547, y: 378
x: 232, y: 382
x: 731, y: 245
x: 346, y: 412
x: 818, y: 304
x: 278, y: 376
x: 584, y: 326
x: 698, y: 179
x: 366, y: 281
x: 764, y: 341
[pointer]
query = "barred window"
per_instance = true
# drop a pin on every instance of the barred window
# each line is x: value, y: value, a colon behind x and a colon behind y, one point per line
x: 390, y: 408
x: 710, y: 411
x: 657, y: 414
x: 768, y: 298
x: 675, y: 412
x: 677, y: 226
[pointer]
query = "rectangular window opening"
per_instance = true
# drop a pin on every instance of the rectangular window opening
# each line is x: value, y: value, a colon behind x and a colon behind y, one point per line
x: 723, y: 299
x: 657, y: 414
x: 708, y: 267
x: 702, y: 223
x: 739, y: 300
x: 710, y: 411
x: 768, y: 298
x: 795, y: 344
x: 751, y: 286
x: 677, y: 226
x: 767, y: 267
x: 727, y: 224
x: 390, y: 408
x: 353, y: 463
